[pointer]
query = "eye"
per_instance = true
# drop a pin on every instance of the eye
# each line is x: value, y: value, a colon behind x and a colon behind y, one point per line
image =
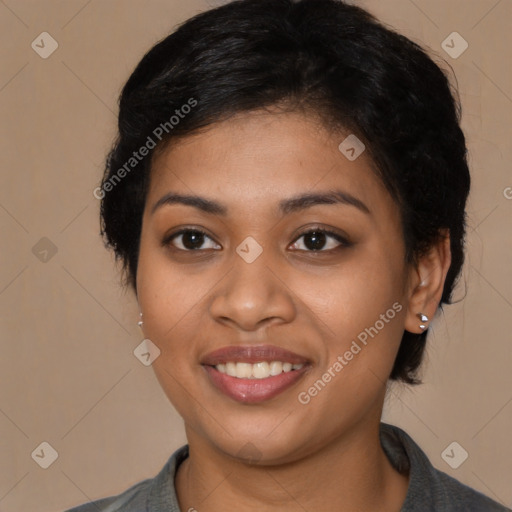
x: 315, y: 239
x: 189, y: 240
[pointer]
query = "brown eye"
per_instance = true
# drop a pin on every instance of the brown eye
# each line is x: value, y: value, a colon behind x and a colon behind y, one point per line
x: 315, y: 240
x: 189, y: 240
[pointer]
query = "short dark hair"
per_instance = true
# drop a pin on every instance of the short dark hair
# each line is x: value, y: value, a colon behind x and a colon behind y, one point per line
x: 325, y: 57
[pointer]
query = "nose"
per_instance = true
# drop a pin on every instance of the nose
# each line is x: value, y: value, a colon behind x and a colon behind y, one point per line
x: 253, y: 295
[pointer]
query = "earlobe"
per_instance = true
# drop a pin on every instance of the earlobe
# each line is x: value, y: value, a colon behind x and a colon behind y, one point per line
x: 427, y: 284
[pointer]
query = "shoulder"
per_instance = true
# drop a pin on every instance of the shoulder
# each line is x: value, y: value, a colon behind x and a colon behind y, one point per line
x: 133, y: 499
x: 461, y: 497
x: 146, y: 496
x: 430, y: 488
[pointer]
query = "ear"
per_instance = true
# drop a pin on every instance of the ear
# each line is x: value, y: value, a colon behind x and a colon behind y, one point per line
x: 426, y: 283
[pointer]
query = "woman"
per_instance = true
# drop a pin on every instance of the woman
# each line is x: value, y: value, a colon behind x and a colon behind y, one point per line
x: 287, y: 195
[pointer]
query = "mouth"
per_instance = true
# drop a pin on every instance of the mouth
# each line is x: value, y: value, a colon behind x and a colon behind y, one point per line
x: 254, y: 374
x: 260, y: 370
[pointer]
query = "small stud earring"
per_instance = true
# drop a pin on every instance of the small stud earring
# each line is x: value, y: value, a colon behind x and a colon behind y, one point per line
x: 140, y: 322
x: 423, y: 318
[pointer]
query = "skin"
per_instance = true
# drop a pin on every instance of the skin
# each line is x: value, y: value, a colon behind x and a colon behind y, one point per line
x: 326, y: 454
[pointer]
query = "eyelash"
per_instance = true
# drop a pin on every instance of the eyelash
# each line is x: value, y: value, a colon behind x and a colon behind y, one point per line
x: 344, y: 242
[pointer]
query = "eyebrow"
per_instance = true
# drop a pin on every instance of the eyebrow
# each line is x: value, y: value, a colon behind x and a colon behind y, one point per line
x: 286, y: 206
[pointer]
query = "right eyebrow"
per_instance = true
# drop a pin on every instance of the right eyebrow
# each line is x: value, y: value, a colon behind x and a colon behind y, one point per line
x: 201, y: 203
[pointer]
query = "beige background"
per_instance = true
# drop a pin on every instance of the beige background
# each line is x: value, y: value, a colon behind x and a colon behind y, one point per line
x: 68, y: 331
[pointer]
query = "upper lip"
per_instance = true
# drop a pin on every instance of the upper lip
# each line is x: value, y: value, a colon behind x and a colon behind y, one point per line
x: 252, y: 354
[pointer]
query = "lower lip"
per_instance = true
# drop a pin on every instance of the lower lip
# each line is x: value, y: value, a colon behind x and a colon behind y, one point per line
x: 253, y: 391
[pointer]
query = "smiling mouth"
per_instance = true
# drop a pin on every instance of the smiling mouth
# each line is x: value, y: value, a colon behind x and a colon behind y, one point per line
x: 254, y: 390
x: 260, y: 370
x: 253, y: 374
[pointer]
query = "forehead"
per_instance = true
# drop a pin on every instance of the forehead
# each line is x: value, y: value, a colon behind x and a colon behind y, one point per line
x: 254, y: 160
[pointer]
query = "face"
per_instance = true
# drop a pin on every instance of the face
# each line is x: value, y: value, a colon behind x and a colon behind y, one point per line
x: 250, y: 276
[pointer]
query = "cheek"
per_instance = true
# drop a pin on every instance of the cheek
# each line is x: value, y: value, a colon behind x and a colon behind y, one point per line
x: 170, y: 302
x: 363, y: 307
x: 365, y: 316
x: 175, y: 301
x: 164, y: 292
x: 356, y: 296
x: 163, y: 295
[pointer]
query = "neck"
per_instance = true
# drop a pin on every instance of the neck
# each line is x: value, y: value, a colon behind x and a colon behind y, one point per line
x: 350, y: 473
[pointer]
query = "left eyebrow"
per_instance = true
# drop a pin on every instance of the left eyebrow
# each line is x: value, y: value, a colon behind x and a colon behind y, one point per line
x: 304, y: 201
x: 286, y: 206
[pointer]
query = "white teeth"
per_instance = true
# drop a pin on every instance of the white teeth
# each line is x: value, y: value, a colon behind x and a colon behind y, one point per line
x: 276, y: 367
x: 231, y: 369
x: 260, y: 370
x: 243, y: 370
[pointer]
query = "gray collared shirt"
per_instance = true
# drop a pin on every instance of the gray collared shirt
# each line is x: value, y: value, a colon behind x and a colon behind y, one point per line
x: 430, y: 490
